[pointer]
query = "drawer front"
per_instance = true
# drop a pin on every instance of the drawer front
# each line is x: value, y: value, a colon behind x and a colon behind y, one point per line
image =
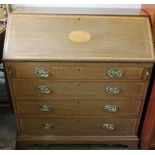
x: 101, y: 71
x: 81, y: 89
x: 85, y: 107
x: 80, y: 126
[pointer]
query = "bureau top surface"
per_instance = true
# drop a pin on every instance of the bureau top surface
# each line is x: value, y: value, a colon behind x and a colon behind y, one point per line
x: 78, y: 38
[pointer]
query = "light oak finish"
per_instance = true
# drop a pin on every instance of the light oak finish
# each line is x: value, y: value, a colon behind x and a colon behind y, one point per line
x: 45, y: 37
x: 80, y: 71
x: 75, y: 107
x: 65, y: 86
x: 79, y: 36
x: 77, y: 89
x: 77, y: 126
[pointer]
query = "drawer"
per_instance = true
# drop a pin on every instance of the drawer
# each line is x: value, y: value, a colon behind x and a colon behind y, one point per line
x: 80, y: 126
x: 81, y: 89
x: 77, y: 107
x: 81, y: 71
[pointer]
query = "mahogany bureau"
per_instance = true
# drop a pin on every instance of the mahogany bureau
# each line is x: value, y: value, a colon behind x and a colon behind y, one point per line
x: 78, y: 79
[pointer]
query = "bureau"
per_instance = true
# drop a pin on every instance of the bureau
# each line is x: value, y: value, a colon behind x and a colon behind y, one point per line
x: 78, y: 79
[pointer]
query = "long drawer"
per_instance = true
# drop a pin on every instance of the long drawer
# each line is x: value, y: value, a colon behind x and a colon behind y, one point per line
x: 81, y: 89
x: 75, y: 107
x: 80, y: 71
x: 80, y: 126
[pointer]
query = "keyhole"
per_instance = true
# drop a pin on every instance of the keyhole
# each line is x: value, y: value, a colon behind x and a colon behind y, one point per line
x: 78, y: 121
x: 78, y: 84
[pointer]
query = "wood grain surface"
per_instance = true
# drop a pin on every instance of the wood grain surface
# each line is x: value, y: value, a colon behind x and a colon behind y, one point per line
x: 80, y: 71
x: 78, y: 82
x: 113, y: 38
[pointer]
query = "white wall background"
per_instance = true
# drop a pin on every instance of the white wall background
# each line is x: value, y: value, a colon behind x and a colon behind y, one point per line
x: 118, y: 6
x: 129, y: 9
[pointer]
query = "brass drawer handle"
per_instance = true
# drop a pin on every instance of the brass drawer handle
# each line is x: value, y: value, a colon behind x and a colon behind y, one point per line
x: 108, y: 126
x: 46, y: 108
x: 41, y: 73
x: 115, y: 73
x: 147, y: 74
x: 46, y: 126
x: 113, y: 90
x: 43, y: 90
x: 111, y: 108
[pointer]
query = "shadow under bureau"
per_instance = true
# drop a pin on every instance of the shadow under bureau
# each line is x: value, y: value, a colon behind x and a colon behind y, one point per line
x: 78, y: 79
